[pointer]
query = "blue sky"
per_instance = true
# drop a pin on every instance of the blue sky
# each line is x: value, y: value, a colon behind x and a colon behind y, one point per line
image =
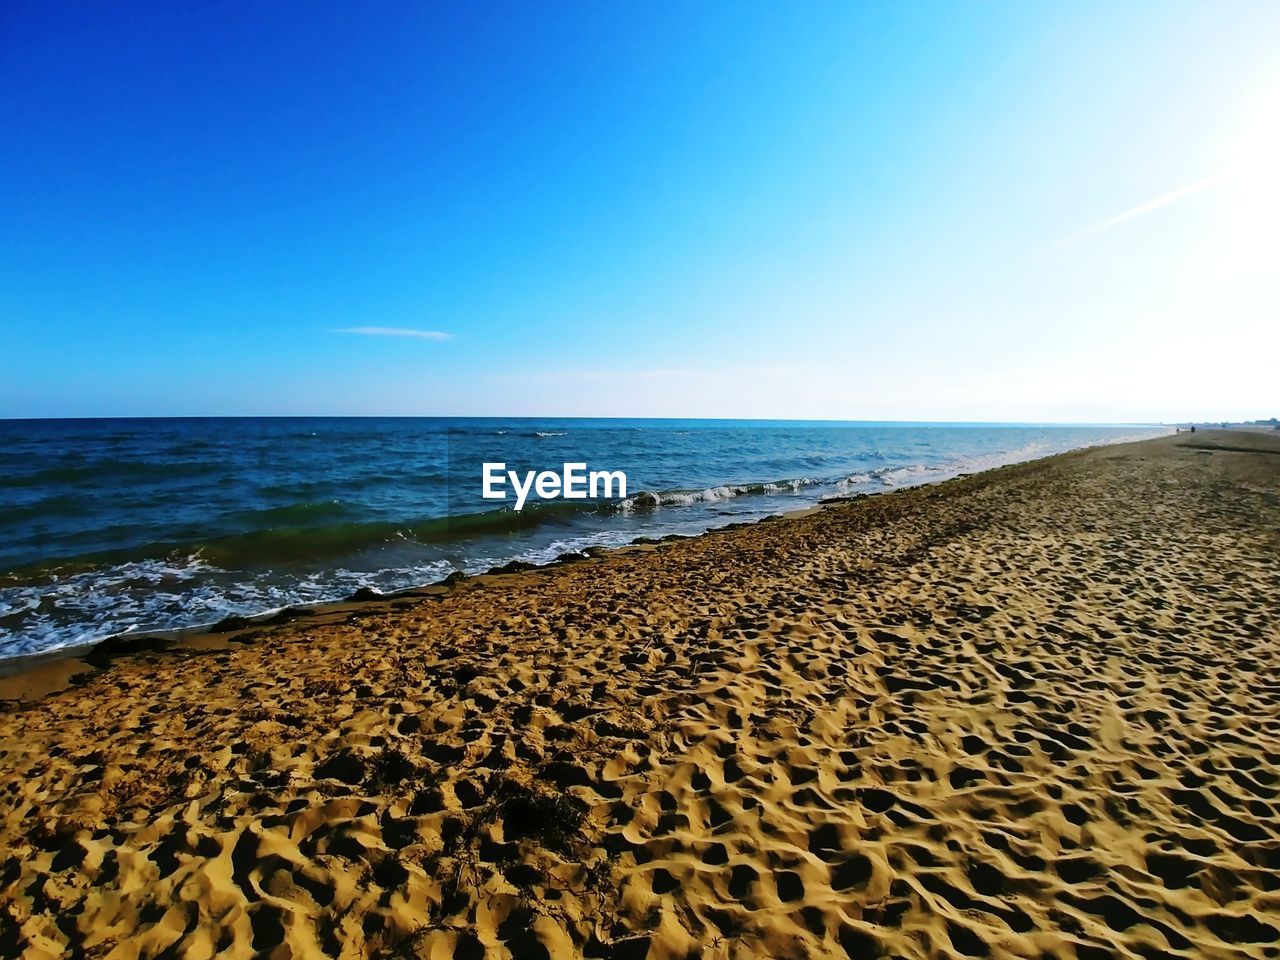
x: 996, y: 211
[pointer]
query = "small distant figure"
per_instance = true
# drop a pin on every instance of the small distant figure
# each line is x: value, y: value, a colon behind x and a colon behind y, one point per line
x: 1193, y: 428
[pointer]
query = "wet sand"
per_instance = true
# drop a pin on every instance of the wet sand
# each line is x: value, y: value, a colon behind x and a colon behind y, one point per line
x: 1029, y: 713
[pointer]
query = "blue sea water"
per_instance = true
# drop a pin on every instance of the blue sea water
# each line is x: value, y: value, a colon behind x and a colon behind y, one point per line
x: 108, y: 526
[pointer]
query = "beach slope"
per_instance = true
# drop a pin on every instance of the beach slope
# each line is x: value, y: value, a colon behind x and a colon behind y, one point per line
x: 1033, y: 712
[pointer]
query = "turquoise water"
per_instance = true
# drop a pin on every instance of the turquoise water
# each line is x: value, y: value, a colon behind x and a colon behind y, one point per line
x: 115, y: 525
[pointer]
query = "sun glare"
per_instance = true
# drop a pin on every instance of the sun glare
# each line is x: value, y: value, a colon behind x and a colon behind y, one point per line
x: 1251, y: 249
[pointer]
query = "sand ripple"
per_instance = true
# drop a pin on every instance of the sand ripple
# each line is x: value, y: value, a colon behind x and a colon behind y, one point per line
x: 1033, y: 713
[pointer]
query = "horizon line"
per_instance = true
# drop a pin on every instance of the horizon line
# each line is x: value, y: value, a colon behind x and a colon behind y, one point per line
x: 414, y: 416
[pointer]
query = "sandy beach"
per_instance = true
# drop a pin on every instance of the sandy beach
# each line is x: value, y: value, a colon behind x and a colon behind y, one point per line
x: 1033, y: 712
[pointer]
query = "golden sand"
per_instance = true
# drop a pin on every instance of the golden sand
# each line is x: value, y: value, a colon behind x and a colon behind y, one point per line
x: 1029, y: 713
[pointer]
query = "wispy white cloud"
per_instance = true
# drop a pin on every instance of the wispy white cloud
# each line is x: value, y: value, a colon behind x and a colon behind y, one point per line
x: 589, y: 376
x: 1189, y: 190
x: 397, y: 332
x: 623, y: 376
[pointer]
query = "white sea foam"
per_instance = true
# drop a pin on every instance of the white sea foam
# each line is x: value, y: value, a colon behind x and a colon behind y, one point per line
x: 172, y: 594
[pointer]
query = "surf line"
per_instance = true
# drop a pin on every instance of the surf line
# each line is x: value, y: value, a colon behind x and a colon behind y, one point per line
x: 573, y: 482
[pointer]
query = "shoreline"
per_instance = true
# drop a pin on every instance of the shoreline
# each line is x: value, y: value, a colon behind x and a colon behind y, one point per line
x: 51, y: 605
x: 48, y: 670
x: 1029, y: 711
x: 54, y: 670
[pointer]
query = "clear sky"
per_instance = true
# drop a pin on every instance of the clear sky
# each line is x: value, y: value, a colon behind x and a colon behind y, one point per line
x: 993, y: 211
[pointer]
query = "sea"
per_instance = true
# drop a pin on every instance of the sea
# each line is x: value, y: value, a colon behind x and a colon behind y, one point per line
x: 113, y: 526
